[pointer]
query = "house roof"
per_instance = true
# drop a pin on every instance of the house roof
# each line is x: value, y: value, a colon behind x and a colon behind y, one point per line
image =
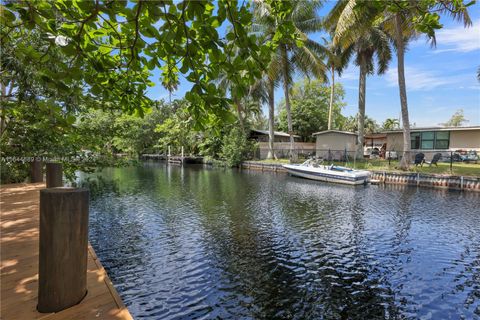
x: 375, y: 136
x: 334, y: 131
x: 276, y: 133
x: 436, y: 129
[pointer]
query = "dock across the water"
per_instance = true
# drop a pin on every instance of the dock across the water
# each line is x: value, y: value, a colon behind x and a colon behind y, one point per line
x: 173, y: 159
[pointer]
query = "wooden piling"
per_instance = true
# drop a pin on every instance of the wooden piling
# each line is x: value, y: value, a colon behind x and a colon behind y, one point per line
x: 36, y: 172
x: 62, y: 277
x: 54, y: 175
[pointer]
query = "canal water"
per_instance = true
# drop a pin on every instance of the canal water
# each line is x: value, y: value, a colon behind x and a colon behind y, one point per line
x: 197, y: 243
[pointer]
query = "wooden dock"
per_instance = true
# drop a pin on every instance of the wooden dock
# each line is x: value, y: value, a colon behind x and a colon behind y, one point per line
x: 173, y: 159
x: 19, y: 237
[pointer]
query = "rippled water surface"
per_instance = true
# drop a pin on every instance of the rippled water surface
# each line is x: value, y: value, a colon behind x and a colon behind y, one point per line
x: 194, y: 243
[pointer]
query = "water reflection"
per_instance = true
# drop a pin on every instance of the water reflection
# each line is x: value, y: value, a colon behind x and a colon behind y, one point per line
x: 184, y: 243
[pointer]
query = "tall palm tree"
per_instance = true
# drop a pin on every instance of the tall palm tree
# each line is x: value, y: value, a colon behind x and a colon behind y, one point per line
x: 230, y: 86
x: 373, y: 42
x: 290, y: 55
x: 337, y: 61
x: 264, y: 91
x: 398, y: 19
x: 370, y: 43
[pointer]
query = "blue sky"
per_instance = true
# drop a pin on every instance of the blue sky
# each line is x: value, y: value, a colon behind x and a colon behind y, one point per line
x: 439, y: 80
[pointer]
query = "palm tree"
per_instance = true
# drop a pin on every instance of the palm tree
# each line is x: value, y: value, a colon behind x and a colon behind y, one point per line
x: 337, y: 61
x: 369, y: 43
x: 228, y: 85
x: 290, y: 55
x: 351, y: 124
x: 264, y: 91
x: 398, y: 18
x: 374, y: 41
x: 391, y: 124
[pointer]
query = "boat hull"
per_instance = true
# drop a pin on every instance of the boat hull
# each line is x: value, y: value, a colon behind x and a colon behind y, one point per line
x: 328, y: 175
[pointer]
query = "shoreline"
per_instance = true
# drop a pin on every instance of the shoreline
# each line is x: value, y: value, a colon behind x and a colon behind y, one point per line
x: 450, y: 182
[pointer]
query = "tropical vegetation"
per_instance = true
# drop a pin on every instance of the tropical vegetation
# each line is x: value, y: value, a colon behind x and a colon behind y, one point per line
x: 296, y: 54
x: 76, y: 75
x: 310, y: 108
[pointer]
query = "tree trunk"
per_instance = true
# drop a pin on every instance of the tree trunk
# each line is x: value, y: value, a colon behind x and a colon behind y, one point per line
x: 271, y: 119
x: 361, y: 108
x: 332, y: 94
x: 405, y: 162
x: 287, y: 102
x: 2, y: 105
x: 239, y: 113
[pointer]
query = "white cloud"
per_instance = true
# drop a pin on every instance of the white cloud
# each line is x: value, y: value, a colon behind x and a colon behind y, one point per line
x: 345, y: 86
x: 350, y: 75
x: 459, y: 39
x: 419, y: 79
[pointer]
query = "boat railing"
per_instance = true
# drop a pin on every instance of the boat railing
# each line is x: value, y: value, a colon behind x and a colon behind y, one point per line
x: 313, y: 162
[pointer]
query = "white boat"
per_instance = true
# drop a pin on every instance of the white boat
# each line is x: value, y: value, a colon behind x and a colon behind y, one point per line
x: 310, y: 169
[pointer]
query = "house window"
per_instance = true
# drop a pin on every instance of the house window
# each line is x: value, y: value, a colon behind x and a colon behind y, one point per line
x: 442, y: 140
x: 429, y: 140
x: 415, y: 140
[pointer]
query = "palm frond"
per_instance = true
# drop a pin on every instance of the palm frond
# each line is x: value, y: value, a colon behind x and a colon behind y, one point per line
x: 460, y: 15
x: 331, y: 19
x: 314, y: 24
x: 307, y: 61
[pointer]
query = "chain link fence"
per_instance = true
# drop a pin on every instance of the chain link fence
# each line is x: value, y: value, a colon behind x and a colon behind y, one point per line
x: 461, y: 162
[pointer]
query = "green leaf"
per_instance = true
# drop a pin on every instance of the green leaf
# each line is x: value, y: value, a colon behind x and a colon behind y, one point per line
x: 96, y: 90
x: 71, y: 119
x: 6, y: 16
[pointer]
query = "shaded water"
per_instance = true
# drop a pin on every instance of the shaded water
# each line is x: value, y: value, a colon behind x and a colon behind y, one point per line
x: 194, y: 243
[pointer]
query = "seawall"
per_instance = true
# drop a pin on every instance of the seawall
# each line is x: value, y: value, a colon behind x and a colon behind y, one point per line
x: 452, y: 182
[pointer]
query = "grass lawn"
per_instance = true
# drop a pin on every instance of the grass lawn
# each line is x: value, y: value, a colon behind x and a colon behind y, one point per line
x: 458, y: 168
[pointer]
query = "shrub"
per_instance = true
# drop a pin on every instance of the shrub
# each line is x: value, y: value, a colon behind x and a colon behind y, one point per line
x: 236, y: 147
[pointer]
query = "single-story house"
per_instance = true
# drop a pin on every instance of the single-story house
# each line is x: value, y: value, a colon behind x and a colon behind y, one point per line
x: 332, y: 144
x: 436, y: 139
x: 279, y: 136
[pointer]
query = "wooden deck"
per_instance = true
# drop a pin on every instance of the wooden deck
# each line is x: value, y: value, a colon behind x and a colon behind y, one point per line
x: 19, y: 233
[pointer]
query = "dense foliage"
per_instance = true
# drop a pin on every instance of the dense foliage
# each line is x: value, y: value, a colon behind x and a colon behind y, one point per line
x: 236, y: 147
x: 111, y: 47
x: 310, y: 106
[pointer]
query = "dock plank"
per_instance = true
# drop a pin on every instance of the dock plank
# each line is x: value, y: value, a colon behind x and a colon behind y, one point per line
x: 19, y: 236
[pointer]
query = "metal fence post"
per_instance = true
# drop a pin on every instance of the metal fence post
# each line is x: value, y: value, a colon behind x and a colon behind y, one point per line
x: 451, y: 161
